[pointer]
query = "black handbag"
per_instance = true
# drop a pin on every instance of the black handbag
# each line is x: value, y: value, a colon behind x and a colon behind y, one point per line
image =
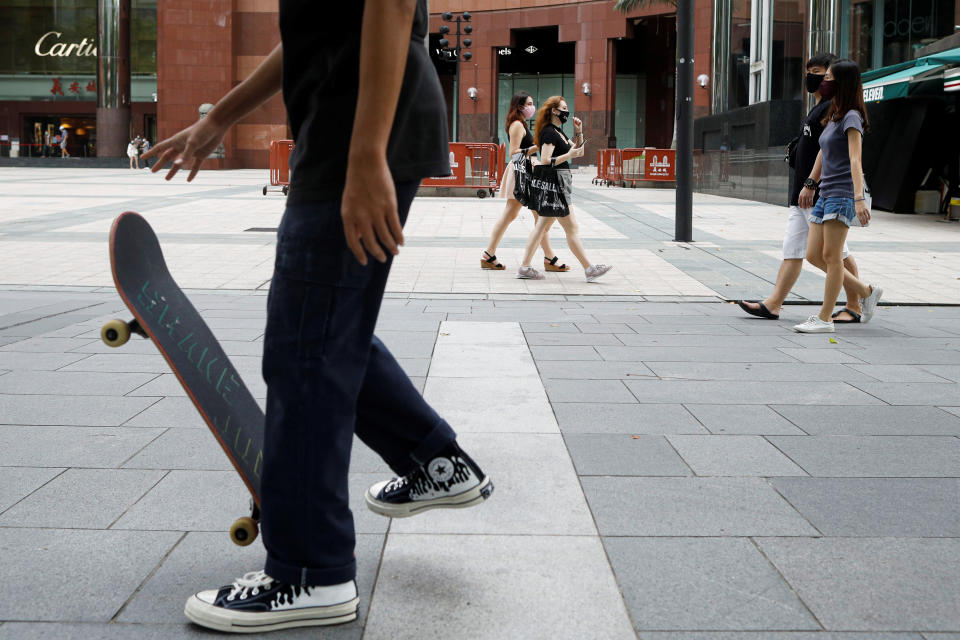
x: 522, y: 175
x: 791, y: 155
x: 546, y: 194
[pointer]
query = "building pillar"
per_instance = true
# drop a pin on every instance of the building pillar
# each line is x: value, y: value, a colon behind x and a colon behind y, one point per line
x: 720, y: 81
x: 822, y: 28
x: 113, y: 77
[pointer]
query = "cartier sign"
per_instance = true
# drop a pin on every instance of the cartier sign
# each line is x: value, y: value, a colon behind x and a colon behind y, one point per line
x: 49, y: 44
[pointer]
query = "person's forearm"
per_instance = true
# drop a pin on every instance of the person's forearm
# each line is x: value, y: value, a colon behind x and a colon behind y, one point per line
x: 817, y: 168
x: 856, y: 172
x: 265, y: 81
x: 384, y: 43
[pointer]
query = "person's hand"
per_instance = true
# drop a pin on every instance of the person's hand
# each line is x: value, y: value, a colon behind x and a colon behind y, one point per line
x: 187, y: 149
x: 532, y: 150
x: 577, y: 124
x: 576, y: 152
x: 806, y: 198
x: 863, y: 214
x: 369, y: 210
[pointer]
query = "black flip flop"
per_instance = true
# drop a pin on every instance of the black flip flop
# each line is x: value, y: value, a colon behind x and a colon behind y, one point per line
x: 762, y: 312
x: 853, y: 314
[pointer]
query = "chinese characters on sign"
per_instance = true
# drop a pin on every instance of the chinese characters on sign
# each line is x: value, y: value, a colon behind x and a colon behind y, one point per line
x: 660, y: 164
x: 74, y: 88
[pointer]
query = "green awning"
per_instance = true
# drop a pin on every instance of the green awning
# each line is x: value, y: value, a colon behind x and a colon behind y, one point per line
x: 897, y: 84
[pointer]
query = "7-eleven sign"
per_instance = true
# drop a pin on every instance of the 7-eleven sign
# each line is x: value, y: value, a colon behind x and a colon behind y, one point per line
x: 951, y: 80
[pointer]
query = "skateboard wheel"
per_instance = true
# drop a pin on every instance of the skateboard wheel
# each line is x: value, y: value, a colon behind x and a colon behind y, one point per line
x: 115, y: 333
x: 264, y: 191
x: 244, y: 531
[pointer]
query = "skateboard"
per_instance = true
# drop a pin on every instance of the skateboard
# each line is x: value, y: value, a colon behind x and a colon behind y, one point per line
x: 163, y: 313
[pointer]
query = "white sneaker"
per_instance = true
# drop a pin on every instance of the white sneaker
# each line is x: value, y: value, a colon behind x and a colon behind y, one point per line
x: 870, y: 303
x: 594, y: 271
x: 814, y: 325
x: 529, y: 273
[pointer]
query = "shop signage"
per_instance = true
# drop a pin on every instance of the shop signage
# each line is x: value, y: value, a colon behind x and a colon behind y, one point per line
x: 951, y: 80
x: 49, y: 45
x: 660, y: 164
x: 873, y: 94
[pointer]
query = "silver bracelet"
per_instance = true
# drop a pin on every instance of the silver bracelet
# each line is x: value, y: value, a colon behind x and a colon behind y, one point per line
x: 859, y: 199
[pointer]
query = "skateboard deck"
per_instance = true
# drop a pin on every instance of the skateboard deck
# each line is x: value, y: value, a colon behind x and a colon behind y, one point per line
x: 163, y: 313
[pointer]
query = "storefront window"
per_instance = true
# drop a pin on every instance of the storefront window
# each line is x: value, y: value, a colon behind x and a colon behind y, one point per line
x: 787, y: 57
x: 885, y: 32
x: 739, y: 67
x: 50, y: 49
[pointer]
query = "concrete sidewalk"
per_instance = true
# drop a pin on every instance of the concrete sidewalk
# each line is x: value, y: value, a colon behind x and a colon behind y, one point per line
x: 666, y: 468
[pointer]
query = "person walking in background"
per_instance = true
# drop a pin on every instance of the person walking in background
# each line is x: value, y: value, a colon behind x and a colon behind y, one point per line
x: 838, y: 171
x: 63, y: 142
x: 133, y: 154
x: 557, y: 150
x: 144, y: 148
x: 45, y: 152
x: 798, y: 224
x: 368, y: 118
x: 520, y: 143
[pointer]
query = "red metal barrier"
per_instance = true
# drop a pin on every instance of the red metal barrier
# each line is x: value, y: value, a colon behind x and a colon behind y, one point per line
x: 280, y: 151
x: 609, y: 167
x: 475, y: 165
x: 648, y: 164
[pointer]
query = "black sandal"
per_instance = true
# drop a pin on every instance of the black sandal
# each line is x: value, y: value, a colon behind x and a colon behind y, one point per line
x: 762, y: 312
x: 551, y: 265
x: 490, y: 262
x: 855, y: 317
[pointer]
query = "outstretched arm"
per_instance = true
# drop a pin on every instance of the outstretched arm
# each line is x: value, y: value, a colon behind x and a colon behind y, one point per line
x: 188, y: 148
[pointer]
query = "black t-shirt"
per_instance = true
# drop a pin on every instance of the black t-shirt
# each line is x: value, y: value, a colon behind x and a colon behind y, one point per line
x: 321, y: 79
x: 527, y: 140
x: 552, y: 135
x: 807, y: 148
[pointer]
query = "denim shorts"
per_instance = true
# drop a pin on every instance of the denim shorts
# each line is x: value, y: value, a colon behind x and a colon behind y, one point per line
x: 841, y: 209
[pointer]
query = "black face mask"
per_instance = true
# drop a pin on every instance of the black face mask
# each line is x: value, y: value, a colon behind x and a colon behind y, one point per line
x: 562, y: 116
x: 813, y: 82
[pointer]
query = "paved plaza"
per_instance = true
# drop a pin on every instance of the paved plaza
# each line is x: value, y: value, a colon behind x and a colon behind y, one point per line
x: 666, y: 468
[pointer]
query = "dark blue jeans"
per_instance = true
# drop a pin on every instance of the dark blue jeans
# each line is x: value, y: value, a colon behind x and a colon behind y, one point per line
x: 328, y: 378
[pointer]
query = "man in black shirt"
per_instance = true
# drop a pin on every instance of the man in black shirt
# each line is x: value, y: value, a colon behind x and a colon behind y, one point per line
x: 798, y: 225
x: 368, y: 119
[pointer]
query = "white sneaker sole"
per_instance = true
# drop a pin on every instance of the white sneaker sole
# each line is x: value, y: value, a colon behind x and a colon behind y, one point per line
x: 598, y: 276
x: 220, y: 619
x: 817, y: 330
x: 469, y: 498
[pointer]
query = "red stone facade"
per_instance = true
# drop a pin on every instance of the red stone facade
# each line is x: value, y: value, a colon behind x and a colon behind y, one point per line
x: 204, y: 49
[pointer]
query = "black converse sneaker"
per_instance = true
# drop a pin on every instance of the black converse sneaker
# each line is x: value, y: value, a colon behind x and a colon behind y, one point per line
x: 256, y: 603
x: 450, y: 480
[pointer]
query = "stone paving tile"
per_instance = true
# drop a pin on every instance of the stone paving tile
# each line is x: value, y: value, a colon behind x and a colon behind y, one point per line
x: 686, y: 329
x: 774, y: 635
x: 873, y: 584
x: 873, y: 456
x: 546, y: 502
x: 595, y: 327
x: 880, y: 420
x: 467, y: 361
x: 561, y: 587
x: 52, y: 446
x: 906, y: 373
x: 825, y: 355
x: 213, y: 500
x: 593, y: 370
x: 911, y: 393
x: 57, y: 564
x: 624, y: 455
x: 124, y: 631
x: 120, y: 363
x: 565, y: 353
x: 703, y: 340
x: 177, y: 448
x: 733, y: 455
x: 744, y: 419
x: 206, y: 560
x: 954, y: 410
x: 563, y: 339
x: 901, y: 355
x: 703, y: 583
x: 602, y: 391
x: 747, y: 392
x: 771, y: 372
x: 176, y: 412
x: 694, y: 354
x: 467, y: 404
x: 889, y: 507
x: 46, y: 345
x: 73, y: 383
x: 23, y: 361
x: 18, y: 482
x: 69, y: 410
x: 550, y: 327
x: 82, y: 499
x: 948, y: 372
x: 654, y: 419
x: 691, y: 507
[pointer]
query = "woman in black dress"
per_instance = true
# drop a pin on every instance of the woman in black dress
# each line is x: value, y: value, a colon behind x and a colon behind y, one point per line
x: 558, y: 150
x: 522, y: 108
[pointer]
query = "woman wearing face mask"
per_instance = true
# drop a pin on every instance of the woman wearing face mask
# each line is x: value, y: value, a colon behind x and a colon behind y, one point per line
x: 558, y: 150
x: 798, y: 225
x: 838, y: 171
x: 521, y: 109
